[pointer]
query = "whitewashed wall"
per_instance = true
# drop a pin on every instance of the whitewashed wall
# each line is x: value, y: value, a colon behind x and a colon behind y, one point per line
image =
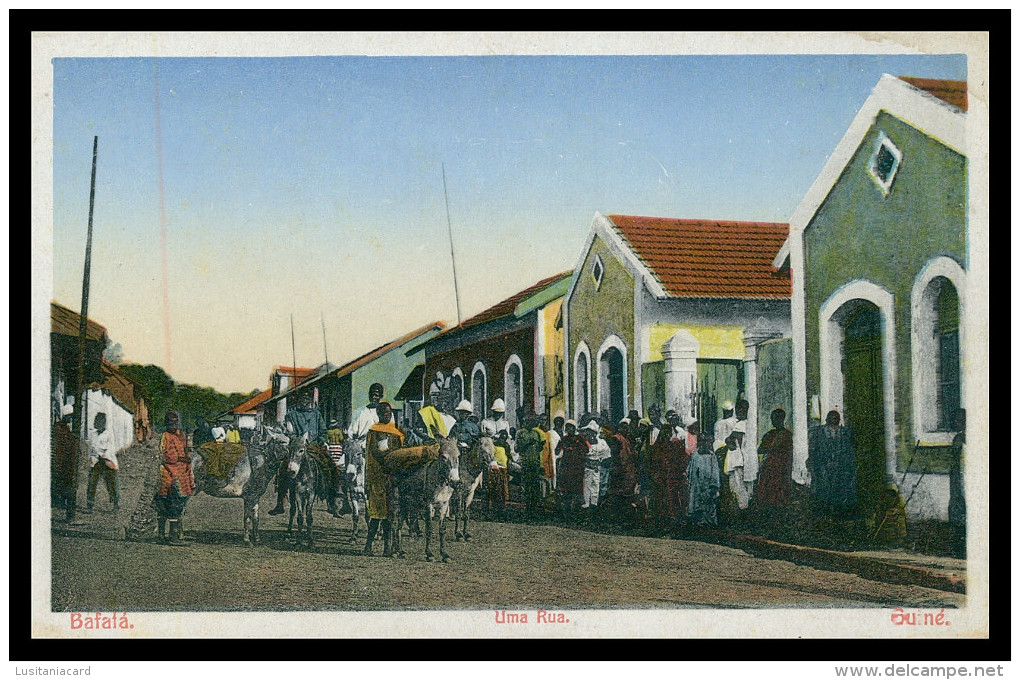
x: 119, y: 420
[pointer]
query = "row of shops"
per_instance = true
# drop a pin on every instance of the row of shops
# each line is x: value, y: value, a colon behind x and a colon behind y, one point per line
x: 856, y: 305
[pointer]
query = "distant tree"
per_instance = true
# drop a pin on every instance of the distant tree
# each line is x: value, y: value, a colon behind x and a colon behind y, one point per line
x: 113, y: 353
x: 194, y: 402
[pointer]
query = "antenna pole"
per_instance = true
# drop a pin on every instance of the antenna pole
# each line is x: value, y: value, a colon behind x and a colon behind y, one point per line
x: 453, y: 258
x: 293, y: 354
x: 325, y: 349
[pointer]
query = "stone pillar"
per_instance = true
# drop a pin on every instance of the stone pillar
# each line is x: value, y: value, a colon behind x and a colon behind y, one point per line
x: 681, y: 372
x: 754, y: 335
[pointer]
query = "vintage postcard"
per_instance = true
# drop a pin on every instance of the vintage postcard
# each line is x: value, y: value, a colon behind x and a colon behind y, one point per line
x: 571, y: 335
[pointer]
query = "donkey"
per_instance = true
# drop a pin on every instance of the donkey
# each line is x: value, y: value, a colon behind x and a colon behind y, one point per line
x: 424, y: 492
x: 308, y: 480
x: 249, y: 479
x: 473, y: 464
x: 352, y: 482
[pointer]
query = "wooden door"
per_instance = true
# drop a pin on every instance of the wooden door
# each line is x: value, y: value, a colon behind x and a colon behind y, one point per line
x: 865, y: 403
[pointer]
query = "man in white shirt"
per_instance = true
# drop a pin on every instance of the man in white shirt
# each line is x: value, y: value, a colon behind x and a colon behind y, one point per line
x: 496, y: 420
x: 103, y: 459
x: 367, y: 416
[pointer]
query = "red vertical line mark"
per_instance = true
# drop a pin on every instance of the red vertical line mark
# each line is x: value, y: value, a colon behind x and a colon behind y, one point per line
x: 162, y: 227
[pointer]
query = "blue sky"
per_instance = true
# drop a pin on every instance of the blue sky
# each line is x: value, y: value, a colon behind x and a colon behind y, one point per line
x: 313, y: 185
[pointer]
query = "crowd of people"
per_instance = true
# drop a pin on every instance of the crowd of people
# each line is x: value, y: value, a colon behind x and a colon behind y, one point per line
x: 653, y: 469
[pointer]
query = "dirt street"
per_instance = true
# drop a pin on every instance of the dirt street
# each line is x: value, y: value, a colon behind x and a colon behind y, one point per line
x: 506, y: 565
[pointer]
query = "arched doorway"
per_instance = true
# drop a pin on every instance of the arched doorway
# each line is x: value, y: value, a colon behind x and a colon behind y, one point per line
x: 581, y: 387
x: 456, y: 388
x: 611, y: 375
x: 864, y: 407
x: 478, y: 391
x: 512, y: 390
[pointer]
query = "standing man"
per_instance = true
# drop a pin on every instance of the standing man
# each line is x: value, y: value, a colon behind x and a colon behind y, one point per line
x: 669, y: 461
x: 382, y: 437
x: 598, y: 451
x: 497, y: 420
x: 529, y: 445
x: 748, y: 450
x: 572, y: 452
x: 724, y: 425
x: 833, y: 465
x: 775, y: 483
x: 103, y: 459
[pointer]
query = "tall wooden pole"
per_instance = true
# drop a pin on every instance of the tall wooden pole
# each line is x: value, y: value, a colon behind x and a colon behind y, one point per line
x: 325, y: 349
x: 293, y: 355
x: 80, y: 411
x: 453, y: 258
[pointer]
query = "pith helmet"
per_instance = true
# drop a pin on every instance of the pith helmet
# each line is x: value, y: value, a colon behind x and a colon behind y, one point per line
x: 464, y: 405
x: 498, y: 406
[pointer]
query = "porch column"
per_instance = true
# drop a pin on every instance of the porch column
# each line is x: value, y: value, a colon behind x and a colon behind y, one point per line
x: 681, y: 372
x: 754, y: 335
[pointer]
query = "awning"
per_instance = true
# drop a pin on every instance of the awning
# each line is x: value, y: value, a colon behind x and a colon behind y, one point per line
x: 412, y: 389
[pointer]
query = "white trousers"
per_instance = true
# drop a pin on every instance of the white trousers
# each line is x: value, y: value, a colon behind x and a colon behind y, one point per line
x: 740, y: 488
x: 591, y: 487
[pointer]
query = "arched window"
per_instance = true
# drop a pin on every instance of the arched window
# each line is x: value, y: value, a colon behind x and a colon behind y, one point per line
x: 513, y: 388
x: 582, y: 380
x: 935, y: 349
x: 456, y: 387
x: 479, y: 389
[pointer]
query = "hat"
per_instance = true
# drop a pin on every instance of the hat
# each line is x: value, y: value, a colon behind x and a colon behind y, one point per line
x: 625, y: 421
x: 728, y: 406
x: 464, y: 405
x: 593, y: 426
x: 571, y: 422
x: 560, y: 414
x: 498, y: 406
x: 645, y: 421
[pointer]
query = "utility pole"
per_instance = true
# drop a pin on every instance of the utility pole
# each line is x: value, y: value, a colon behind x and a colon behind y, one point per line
x: 453, y: 258
x: 293, y: 354
x: 325, y: 349
x: 80, y: 411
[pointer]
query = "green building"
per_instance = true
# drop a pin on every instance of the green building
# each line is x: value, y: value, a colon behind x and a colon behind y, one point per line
x: 879, y: 254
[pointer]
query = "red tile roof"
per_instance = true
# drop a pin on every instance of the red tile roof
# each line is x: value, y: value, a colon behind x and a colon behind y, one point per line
x: 708, y: 258
x: 64, y: 321
x: 507, y: 306
x: 950, y: 91
x: 352, y: 366
x: 299, y: 373
x: 250, y: 405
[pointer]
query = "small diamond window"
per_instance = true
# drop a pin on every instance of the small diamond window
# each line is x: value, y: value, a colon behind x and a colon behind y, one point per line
x: 597, y: 270
x: 884, y: 164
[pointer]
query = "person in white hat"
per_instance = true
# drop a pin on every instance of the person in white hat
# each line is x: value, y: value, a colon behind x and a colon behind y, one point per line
x: 724, y: 425
x: 466, y: 432
x: 496, y: 420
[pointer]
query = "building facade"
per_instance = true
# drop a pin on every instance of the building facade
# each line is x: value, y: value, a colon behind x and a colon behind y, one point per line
x: 879, y: 251
x: 510, y: 351
x: 673, y: 312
